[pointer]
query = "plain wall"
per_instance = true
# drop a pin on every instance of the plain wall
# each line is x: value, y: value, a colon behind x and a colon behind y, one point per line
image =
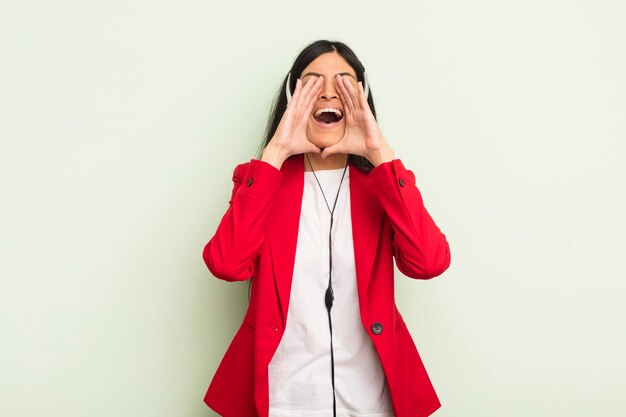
x: 121, y: 123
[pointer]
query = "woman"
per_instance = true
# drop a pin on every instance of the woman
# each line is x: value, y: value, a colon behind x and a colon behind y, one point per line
x: 315, y: 223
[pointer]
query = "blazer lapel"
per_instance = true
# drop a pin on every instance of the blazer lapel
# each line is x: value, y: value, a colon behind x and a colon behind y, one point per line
x: 283, y: 234
x: 367, y: 216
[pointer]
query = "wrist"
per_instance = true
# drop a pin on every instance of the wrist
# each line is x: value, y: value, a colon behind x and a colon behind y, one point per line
x: 274, y: 155
x: 380, y: 156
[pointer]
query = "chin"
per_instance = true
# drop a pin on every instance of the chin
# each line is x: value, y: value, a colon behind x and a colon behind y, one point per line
x: 323, y: 138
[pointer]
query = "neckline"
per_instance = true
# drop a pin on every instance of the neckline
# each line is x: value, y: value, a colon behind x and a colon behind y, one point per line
x: 329, y: 172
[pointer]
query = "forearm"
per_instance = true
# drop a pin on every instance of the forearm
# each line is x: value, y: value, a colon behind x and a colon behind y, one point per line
x: 381, y: 156
x: 420, y: 248
x: 232, y: 251
x: 274, y: 156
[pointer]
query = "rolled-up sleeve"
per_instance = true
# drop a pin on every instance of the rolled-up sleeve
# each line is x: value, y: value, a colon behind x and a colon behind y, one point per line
x: 420, y: 249
x: 232, y: 251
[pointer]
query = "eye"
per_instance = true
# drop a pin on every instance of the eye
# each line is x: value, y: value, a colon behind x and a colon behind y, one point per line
x: 350, y: 78
x: 307, y: 78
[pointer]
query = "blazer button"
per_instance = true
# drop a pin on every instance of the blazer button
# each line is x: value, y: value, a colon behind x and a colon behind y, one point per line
x: 250, y: 182
x: 377, y: 328
x: 401, y: 183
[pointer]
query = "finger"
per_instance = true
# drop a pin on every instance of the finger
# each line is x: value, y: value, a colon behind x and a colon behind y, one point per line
x: 307, y: 106
x: 338, y: 147
x: 347, y: 100
x: 315, y: 87
x: 353, y: 94
x: 342, y: 95
x: 295, y: 97
x: 306, y: 87
x: 362, y: 98
x: 300, y: 92
x: 309, y: 147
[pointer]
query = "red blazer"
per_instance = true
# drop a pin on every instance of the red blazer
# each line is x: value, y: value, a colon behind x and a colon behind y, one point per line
x: 257, y: 238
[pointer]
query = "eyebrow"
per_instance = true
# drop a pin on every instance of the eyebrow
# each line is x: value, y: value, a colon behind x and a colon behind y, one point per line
x: 320, y: 75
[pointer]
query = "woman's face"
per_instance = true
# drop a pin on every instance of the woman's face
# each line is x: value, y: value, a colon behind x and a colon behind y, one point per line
x: 326, y: 128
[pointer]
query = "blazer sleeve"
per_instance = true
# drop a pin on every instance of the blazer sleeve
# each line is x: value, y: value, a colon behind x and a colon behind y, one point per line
x: 232, y: 251
x: 419, y: 247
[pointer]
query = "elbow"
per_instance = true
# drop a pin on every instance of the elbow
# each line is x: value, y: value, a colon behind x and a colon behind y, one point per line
x: 428, y: 267
x: 439, y: 262
x: 223, y: 267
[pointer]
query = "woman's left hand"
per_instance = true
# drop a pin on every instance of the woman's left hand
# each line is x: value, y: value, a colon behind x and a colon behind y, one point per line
x: 362, y: 136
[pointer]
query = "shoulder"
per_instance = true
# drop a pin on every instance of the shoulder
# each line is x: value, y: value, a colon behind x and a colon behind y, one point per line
x: 257, y: 167
x: 240, y: 171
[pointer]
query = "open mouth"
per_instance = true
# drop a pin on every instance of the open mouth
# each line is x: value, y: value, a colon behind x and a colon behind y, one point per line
x: 328, y: 116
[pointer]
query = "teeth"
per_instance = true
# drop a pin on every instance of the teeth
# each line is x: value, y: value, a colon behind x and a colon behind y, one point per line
x: 328, y: 109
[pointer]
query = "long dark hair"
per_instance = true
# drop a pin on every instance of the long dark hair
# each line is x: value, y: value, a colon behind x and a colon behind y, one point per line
x: 305, y: 57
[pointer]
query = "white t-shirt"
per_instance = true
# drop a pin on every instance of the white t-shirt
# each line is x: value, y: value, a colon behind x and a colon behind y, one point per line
x: 300, y: 382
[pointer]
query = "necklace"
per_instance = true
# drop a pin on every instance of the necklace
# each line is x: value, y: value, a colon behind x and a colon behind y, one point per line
x: 329, y: 297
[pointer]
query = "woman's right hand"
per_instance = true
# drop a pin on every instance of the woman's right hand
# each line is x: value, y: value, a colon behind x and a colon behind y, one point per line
x: 290, y: 136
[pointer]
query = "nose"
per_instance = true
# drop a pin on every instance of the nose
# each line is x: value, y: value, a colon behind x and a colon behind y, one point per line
x: 328, y: 90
